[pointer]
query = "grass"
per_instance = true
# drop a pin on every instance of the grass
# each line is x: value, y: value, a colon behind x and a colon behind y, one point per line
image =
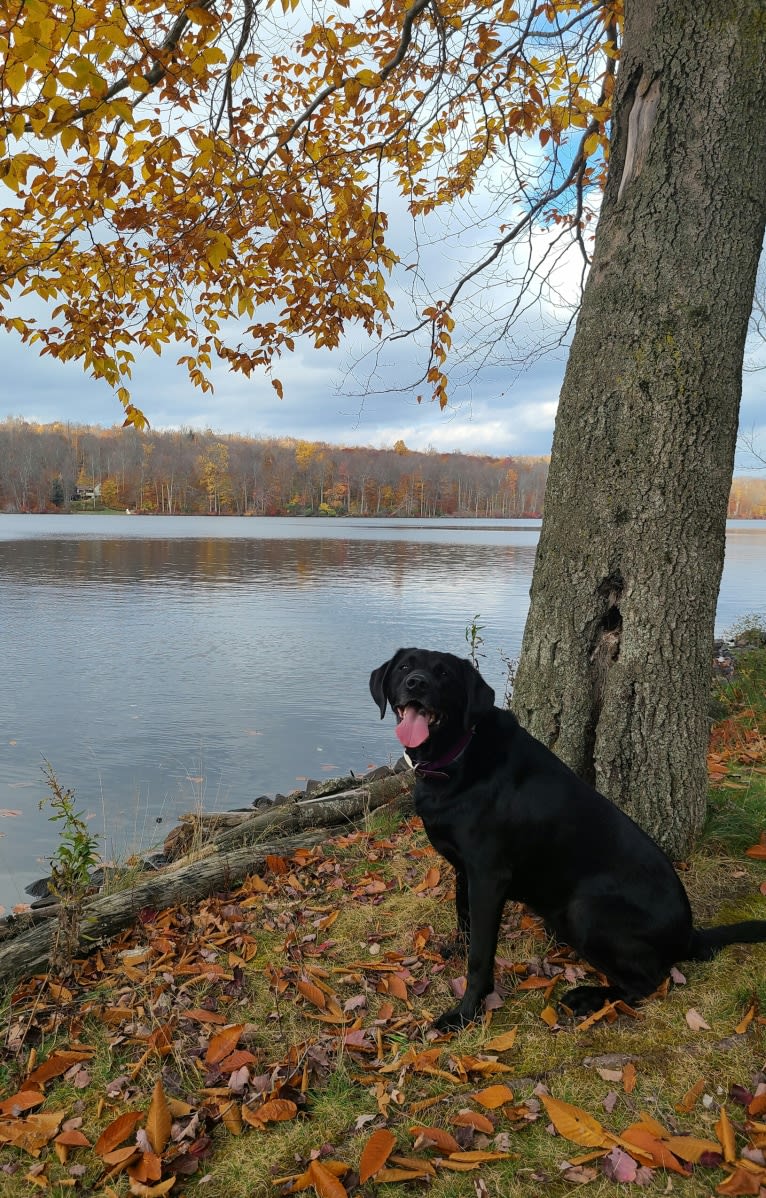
x: 346, y: 923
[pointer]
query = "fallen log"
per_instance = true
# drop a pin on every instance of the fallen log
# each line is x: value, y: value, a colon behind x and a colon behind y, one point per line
x: 216, y: 866
x: 333, y: 809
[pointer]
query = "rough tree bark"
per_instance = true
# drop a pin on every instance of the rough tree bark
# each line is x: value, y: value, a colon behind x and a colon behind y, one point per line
x: 615, y: 666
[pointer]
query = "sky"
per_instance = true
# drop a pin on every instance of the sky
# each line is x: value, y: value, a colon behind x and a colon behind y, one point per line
x: 504, y: 410
x: 364, y: 394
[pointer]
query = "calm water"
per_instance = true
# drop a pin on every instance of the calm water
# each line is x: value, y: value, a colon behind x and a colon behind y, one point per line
x: 160, y: 662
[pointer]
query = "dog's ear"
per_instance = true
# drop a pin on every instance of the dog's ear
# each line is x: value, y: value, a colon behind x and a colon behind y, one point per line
x: 379, y: 681
x: 480, y: 697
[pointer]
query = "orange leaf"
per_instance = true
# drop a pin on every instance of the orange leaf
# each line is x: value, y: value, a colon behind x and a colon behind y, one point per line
x: 223, y: 1043
x: 23, y: 1101
x: 73, y: 1138
x: 575, y: 1124
x: 117, y: 1132
x: 688, y: 1102
x: 741, y: 1181
x: 277, y: 1110
x: 326, y: 1183
x: 158, y: 1119
x: 725, y: 1133
x: 442, y: 1139
x: 312, y: 993
x: 494, y: 1096
x: 629, y: 1078
x: 375, y: 1153
x: 642, y: 1138
x: 474, y: 1119
x: 746, y: 1020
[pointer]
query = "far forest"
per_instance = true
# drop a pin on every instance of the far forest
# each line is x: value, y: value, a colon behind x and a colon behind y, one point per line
x: 67, y: 467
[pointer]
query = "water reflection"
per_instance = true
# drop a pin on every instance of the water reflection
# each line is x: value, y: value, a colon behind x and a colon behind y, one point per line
x: 155, y: 669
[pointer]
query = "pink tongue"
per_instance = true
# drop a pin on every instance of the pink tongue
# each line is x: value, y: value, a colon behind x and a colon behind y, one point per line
x: 413, y: 728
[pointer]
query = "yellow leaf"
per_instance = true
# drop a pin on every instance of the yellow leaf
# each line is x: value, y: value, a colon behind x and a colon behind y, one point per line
x: 575, y: 1124
x: 15, y: 77
x: 502, y: 1043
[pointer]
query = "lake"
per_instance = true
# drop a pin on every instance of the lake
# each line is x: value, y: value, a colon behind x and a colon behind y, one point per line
x: 162, y: 663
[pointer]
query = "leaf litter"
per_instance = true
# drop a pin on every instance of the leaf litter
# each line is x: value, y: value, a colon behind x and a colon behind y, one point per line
x: 182, y: 1000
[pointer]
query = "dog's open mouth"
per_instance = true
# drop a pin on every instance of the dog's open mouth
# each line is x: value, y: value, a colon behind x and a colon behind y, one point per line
x: 415, y: 724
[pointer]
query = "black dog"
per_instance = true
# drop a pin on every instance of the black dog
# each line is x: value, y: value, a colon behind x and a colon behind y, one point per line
x: 516, y: 823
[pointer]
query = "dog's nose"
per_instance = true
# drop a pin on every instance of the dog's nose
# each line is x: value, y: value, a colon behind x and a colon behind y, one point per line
x: 416, y: 681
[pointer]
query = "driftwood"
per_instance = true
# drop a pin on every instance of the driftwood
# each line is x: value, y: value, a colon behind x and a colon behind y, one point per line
x: 329, y: 811
x: 222, y: 863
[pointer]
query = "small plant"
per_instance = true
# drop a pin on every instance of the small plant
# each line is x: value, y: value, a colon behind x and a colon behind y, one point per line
x: 71, y: 865
x: 474, y: 639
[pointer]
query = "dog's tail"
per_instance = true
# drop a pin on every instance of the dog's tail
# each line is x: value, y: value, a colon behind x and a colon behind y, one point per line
x: 706, y: 942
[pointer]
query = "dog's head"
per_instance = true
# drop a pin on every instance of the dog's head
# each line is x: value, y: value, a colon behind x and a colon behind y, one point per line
x: 436, y: 697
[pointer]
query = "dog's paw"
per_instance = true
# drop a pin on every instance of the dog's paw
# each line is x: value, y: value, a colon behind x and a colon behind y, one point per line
x: 454, y: 1019
x: 453, y: 946
x: 584, y: 1000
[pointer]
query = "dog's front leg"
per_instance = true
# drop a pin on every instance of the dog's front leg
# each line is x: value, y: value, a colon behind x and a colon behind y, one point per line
x: 486, y: 897
x: 459, y: 942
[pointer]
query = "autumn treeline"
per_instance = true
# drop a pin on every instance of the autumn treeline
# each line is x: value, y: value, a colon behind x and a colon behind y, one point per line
x: 46, y: 467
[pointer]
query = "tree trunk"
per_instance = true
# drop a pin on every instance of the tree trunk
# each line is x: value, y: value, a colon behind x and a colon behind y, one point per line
x: 615, y: 665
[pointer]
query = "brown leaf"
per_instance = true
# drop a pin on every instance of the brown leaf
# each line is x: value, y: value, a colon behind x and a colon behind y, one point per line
x: 419, y: 1165
x: 158, y: 1119
x: 696, y: 1022
x: 629, y: 1078
x: 478, y: 1157
x: 164, y: 1187
x: 231, y: 1117
x: 375, y: 1153
x: 57, y: 1063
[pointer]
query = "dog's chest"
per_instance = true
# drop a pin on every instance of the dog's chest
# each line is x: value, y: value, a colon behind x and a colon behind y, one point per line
x: 449, y: 823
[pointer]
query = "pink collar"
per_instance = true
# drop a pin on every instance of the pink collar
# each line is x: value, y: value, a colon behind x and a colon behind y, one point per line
x: 435, y: 769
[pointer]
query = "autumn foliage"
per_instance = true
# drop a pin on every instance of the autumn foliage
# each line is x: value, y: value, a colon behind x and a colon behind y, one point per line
x: 217, y: 176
